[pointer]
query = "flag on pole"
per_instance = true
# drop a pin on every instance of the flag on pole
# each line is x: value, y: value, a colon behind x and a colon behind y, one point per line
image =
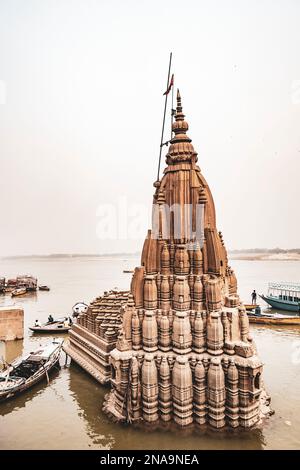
x: 170, y: 85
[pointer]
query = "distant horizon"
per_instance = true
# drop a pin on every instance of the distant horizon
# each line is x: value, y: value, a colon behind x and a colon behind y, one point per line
x: 138, y: 253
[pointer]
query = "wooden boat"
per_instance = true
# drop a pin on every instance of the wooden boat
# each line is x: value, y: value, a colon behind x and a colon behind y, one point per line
x: 274, y: 319
x: 250, y: 307
x: 25, y: 372
x: 19, y: 291
x: 283, y: 296
x: 45, y: 288
x: 2, y: 284
x: 53, y: 327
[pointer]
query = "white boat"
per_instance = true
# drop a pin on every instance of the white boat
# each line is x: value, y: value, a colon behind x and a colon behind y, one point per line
x: 283, y: 296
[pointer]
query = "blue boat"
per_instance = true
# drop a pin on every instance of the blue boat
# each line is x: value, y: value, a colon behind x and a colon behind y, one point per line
x: 283, y: 296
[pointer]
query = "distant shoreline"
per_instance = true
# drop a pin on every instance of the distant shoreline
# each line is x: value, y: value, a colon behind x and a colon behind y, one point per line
x: 242, y: 255
x: 266, y: 257
x: 71, y: 256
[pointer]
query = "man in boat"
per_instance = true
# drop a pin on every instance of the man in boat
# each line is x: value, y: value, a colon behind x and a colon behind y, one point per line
x: 253, y: 295
x: 37, y: 323
x: 50, y: 319
x: 66, y: 323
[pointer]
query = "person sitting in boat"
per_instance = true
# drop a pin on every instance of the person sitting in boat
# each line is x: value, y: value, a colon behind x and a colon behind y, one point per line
x: 66, y: 323
x: 253, y: 295
x: 70, y: 321
x: 37, y: 323
x: 50, y: 319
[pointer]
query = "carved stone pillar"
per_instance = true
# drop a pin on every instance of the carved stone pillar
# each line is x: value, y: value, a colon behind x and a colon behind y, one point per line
x: 216, y: 394
x: 150, y: 331
x: 199, y: 393
x: 198, y: 334
x: 232, y: 395
x: 149, y: 389
x: 215, y: 338
x: 181, y: 294
x: 164, y: 336
x: 165, y: 295
x: 181, y: 336
x: 135, y: 408
x: 181, y: 262
x: 136, y: 331
x: 182, y: 391
x: 150, y: 292
x: 165, y: 391
x: 198, y: 294
x: 165, y: 260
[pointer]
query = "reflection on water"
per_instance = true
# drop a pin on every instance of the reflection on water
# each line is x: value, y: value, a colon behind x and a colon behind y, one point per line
x: 22, y: 400
x: 66, y: 414
x: 89, y: 399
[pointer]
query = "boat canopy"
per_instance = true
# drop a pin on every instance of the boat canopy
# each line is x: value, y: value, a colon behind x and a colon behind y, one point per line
x: 285, y: 291
x: 285, y: 286
x: 44, y: 353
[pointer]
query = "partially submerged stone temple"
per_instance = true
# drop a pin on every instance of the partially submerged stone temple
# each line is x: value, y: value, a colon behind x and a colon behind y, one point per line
x: 176, y: 347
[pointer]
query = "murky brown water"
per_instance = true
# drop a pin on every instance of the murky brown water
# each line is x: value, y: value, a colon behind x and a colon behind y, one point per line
x: 67, y: 413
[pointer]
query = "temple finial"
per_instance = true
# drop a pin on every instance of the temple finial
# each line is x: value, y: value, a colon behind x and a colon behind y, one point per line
x: 181, y: 148
x: 179, y: 106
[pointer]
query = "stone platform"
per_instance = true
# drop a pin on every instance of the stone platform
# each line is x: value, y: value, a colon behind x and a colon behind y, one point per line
x: 11, y: 323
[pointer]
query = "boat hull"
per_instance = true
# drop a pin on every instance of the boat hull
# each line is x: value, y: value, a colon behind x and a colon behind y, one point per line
x: 269, y: 320
x: 38, y: 377
x: 38, y: 329
x: 250, y: 307
x: 281, y: 304
x: 16, y: 293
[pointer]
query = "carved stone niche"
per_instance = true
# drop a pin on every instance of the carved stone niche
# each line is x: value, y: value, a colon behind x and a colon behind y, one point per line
x: 115, y: 372
x: 255, y: 381
x: 122, y: 343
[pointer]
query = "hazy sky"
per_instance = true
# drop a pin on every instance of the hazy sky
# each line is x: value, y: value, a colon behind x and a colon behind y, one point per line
x: 81, y: 103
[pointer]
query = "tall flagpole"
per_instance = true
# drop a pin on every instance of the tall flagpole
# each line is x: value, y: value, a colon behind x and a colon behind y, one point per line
x: 172, y: 111
x: 164, y: 118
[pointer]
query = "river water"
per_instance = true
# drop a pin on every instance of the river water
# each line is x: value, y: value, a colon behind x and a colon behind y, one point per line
x: 66, y: 414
